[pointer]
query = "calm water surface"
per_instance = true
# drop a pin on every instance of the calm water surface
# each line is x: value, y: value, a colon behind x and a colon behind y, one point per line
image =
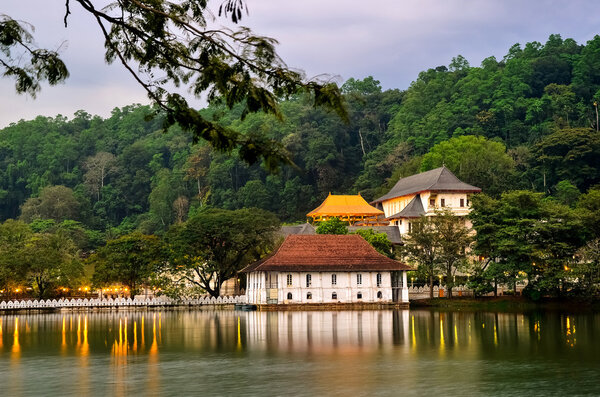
x: 349, y: 353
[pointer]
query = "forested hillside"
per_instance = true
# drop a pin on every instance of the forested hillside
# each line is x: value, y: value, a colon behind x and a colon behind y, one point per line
x: 527, y: 121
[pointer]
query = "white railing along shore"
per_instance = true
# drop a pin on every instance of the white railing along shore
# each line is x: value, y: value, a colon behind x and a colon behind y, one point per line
x: 118, y: 302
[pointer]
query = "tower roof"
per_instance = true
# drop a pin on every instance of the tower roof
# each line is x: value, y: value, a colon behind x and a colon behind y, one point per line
x: 439, y: 179
x: 413, y: 209
x: 344, y: 205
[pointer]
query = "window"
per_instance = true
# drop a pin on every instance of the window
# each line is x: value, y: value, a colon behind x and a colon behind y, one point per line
x: 334, y: 295
x: 289, y: 280
x: 359, y: 295
x: 462, y: 202
x: 443, y: 202
x: 308, y: 280
x: 334, y: 279
x: 409, y: 227
x: 289, y: 296
x: 467, y: 201
x: 379, y: 295
x: 309, y: 295
x: 359, y: 279
x: 379, y: 279
x: 432, y: 202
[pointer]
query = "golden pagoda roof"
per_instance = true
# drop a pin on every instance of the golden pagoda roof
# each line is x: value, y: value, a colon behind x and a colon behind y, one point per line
x: 344, y: 205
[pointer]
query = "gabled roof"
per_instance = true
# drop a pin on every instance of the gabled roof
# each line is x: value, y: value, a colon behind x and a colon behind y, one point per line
x: 439, y: 179
x: 326, y: 252
x: 343, y: 205
x: 305, y: 228
x: 392, y: 232
x: 413, y: 209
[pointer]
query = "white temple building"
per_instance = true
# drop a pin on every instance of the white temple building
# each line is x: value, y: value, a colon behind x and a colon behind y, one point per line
x: 326, y: 269
x: 424, y: 194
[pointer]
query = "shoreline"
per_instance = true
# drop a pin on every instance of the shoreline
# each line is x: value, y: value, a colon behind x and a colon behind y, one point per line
x: 507, y: 304
x: 484, y: 304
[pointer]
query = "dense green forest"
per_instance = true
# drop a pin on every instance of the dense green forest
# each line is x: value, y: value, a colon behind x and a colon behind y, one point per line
x: 525, y: 121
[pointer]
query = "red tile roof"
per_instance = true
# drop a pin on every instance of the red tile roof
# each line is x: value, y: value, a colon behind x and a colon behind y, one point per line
x: 326, y: 252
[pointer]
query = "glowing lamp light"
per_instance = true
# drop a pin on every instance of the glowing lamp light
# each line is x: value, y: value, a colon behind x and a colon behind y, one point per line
x: 17, y: 290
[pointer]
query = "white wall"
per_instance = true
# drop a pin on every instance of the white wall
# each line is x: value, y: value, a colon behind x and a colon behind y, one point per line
x: 321, y: 288
x: 451, y: 202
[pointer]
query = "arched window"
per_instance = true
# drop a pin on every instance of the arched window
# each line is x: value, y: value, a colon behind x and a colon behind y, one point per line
x: 379, y: 295
x: 334, y: 295
x: 289, y: 296
x: 309, y: 295
x: 359, y: 295
x: 308, y: 280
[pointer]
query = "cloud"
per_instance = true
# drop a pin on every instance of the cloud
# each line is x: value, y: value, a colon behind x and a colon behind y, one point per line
x: 389, y: 39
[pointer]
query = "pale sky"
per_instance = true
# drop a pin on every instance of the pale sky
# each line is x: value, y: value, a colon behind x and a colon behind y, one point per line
x: 392, y: 40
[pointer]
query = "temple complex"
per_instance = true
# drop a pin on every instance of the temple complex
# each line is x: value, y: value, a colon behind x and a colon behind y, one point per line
x: 411, y: 197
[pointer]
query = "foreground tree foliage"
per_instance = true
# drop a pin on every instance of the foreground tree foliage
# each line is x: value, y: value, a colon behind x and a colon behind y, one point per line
x: 164, y: 43
x: 214, y: 244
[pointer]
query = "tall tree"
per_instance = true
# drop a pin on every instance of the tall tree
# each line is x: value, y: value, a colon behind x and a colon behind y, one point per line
x: 421, y: 247
x: 51, y: 260
x: 131, y: 260
x: 454, y: 241
x: 55, y: 202
x: 98, y: 167
x: 214, y: 244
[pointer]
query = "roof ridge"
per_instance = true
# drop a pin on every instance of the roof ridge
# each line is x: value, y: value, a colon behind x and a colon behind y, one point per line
x: 438, y: 176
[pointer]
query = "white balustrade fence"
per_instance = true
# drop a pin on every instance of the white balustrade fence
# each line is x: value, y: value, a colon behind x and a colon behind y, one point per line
x: 118, y: 302
x: 423, y: 292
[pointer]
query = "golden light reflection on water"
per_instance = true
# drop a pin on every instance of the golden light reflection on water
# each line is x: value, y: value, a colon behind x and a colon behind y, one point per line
x: 64, y: 334
x: 348, y: 338
x: 16, y: 347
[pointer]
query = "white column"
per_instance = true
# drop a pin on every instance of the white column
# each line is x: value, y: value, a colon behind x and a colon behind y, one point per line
x: 404, y: 287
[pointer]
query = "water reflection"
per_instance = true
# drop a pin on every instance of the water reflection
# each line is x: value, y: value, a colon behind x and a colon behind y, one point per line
x: 153, y: 352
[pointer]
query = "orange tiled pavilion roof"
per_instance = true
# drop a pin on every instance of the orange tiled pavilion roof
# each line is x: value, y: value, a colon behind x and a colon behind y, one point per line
x: 346, y: 207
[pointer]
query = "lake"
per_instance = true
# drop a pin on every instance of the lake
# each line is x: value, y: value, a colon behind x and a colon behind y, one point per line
x: 347, y: 353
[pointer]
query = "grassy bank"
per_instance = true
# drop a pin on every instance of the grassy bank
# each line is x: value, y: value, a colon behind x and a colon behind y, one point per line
x: 506, y: 304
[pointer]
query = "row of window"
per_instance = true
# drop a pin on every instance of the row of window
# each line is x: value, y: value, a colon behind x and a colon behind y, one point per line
x: 334, y: 295
x: 289, y: 279
x: 443, y: 202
